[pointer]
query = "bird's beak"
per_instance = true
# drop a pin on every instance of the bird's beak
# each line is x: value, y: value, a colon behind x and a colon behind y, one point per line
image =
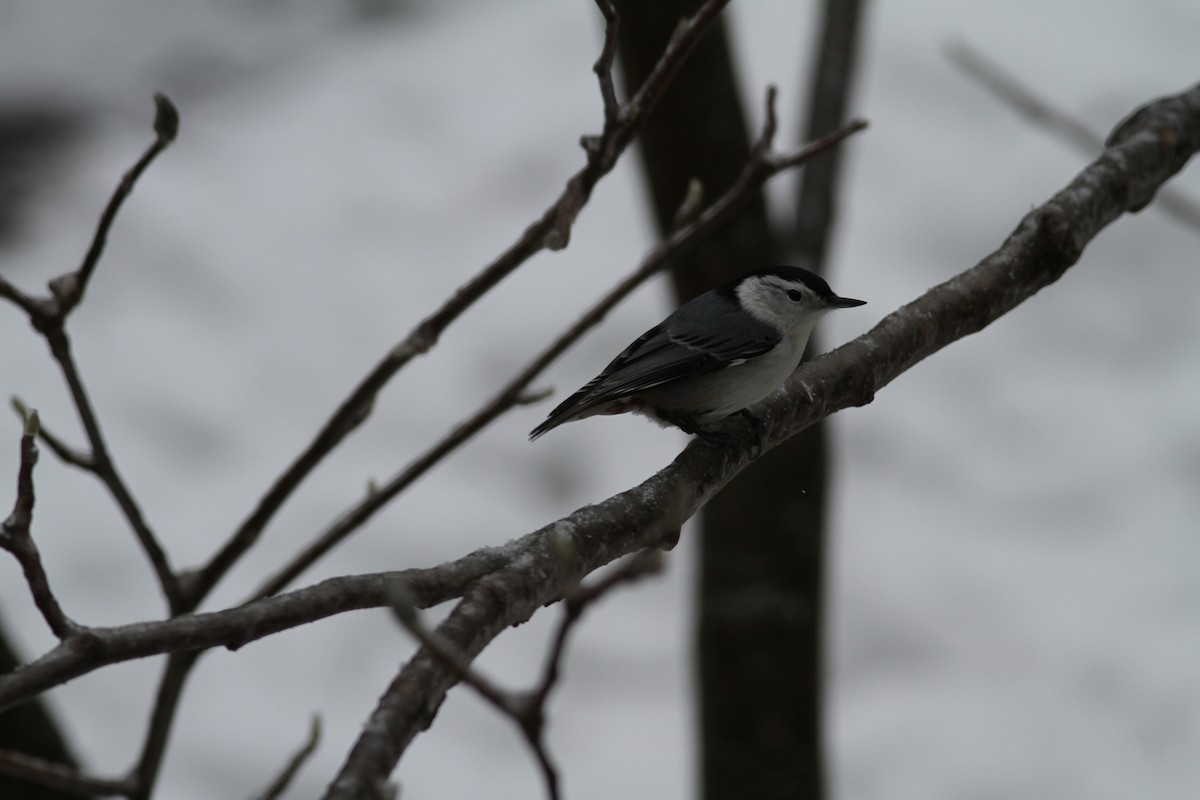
x: 844, y: 302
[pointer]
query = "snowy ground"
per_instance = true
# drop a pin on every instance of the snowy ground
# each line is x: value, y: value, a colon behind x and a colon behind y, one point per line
x: 1017, y: 567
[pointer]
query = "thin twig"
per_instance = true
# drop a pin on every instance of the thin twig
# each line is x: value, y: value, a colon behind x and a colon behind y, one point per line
x: 16, y: 538
x: 65, y: 453
x: 69, y: 288
x: 1024, y: 101
x: 102, y: 465
x: 604, y: 64
x: 66, y: 291
x: 577, y: 600
x: 551, y: 231
x: 60, y: 777
x: 284, y: 779
x: 763, y: 165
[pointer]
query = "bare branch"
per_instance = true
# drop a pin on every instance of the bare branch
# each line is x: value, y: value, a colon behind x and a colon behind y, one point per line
x: 15, y: 536
x: 528, y: 710
x: 97, y: 647
x: 777, y: 164
x: 69, y: 288
x: 1025, y: 102
x: 66, y: 291
x: 162, y: 716
x: 576, y: 601
x: 551, y: 231
x: 460, y: 666
x: 558, y: 555
x: 65, y: 452
x: 1149, y: 149
x: 102, y: 466
x: 281, y: 783
x: 33, y: 306
x: 604, y: 64
x: 48, y: 316
x: 60, y: 777
x: 529, y: 717
x: 763, y: 165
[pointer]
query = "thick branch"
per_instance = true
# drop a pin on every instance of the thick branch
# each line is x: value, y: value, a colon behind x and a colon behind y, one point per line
x: 1148, y: 149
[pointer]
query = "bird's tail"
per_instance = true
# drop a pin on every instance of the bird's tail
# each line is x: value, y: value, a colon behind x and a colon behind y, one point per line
x: 577, y: 406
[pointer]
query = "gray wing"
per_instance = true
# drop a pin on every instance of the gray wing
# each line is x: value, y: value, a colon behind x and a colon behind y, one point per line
x: 705, y: 335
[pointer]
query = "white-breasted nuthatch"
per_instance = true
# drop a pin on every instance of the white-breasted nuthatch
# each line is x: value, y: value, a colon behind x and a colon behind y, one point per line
x: 714, y: 356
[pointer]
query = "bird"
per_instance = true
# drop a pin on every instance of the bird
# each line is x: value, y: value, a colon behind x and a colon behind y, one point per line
x: 713, y: 357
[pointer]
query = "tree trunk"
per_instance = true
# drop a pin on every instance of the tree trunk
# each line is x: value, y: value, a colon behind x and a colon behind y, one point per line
x: 760, y: 589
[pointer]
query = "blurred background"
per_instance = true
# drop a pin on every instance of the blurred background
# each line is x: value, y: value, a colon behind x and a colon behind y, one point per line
x: 1015, y: 560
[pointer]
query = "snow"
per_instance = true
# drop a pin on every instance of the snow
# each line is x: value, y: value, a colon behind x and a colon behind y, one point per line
x: 1016, y: 566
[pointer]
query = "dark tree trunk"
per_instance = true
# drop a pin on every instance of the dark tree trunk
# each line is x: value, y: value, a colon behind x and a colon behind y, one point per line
x: 759, y: 644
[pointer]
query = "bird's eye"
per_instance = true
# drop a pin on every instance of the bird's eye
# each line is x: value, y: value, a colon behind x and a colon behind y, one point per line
x: 795, y: 294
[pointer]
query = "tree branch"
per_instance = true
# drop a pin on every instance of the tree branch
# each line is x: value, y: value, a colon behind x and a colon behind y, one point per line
x: 1147, y: 149
x: 763, y: 165
x: 65, y: 453
x: 66, y: 291
x: 57, y: 776
x: 551, y: 231
x: 1022, y: 99
x: 97, y: 647
x: 577, y: 600
x: 281, y: 783
x: 69, y: 288
x: 527, y: 710
x: 15, y: 536
x: 101, y: 464
x: 162, y: 715
x: 33, y: 306
x: 48, y: 315
x: 604, y: 64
